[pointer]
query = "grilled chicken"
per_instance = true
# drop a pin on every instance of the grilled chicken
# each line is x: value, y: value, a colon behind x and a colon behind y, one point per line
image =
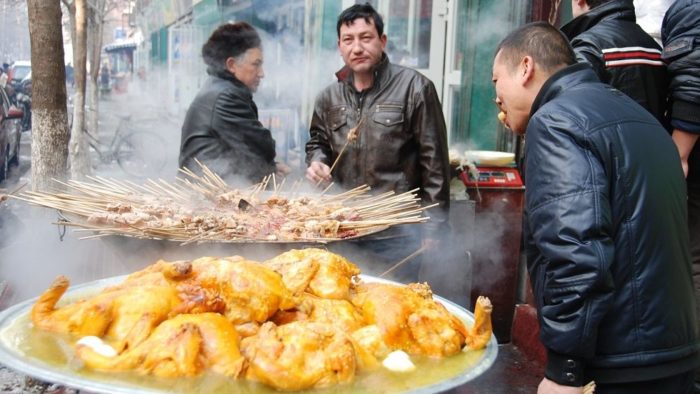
x: 480, y: 333
x: 299, y: 355
x: 249, y: 291
x: 408, y: 319
x: 124, y: 316
x: 306, y: 322
x: 316, y: 271
x: 85, y: 317
x: 339, y: 313
x: 185, y: 345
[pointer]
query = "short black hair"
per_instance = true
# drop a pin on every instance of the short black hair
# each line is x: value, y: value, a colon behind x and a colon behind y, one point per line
x: 357, y: 11
x: 229, y: 40
x: 548, y: 46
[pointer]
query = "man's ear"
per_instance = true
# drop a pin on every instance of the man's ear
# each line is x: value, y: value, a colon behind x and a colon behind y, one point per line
x: 580, y: 7
x: 231, y: 65
x: 384, y: 40
x: 526, y: 70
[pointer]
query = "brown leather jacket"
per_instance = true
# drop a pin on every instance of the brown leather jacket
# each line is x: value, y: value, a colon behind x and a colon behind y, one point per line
x: 400, y: 145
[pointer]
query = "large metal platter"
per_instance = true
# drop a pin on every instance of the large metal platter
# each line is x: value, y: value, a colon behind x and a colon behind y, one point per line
x: 20, y: 343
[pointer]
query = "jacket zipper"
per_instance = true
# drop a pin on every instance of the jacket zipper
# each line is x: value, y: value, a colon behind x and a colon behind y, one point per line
x: 361, y: 156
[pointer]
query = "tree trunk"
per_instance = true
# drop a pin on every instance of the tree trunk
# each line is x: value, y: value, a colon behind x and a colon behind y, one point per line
x: 79, y: 157
x: 49, y: 120
x: 96, y: 12
x: 70, y: 6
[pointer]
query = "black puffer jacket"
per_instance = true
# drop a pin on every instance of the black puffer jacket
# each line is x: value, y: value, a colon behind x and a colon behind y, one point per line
x: 606, y: 236
x: 621, y: 53
x: 681, y: 37
x: 222, y: 130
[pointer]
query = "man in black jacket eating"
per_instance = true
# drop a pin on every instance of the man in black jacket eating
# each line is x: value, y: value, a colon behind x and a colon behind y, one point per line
x: 680, y: 33
x: 605, y: 225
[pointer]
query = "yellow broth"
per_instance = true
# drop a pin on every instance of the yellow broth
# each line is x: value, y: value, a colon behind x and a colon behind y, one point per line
x: 56, y: 352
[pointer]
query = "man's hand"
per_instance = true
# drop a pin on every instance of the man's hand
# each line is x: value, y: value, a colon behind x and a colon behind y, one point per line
x: 549, y: 387
x: 430, y: 244
x: 318, y: 172
x: 684, y: 142
x: 282, y: 169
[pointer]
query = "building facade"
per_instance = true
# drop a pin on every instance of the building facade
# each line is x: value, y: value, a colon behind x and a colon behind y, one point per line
x: 450, y: 41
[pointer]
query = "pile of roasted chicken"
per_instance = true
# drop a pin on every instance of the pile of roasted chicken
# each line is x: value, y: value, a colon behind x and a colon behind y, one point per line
x: 303, y: 319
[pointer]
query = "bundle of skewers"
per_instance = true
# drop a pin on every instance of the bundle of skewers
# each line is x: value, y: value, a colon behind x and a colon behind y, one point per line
x: 204, y: 208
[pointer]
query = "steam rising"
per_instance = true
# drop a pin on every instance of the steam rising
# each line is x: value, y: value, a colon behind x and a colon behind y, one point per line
x: 33, y: 254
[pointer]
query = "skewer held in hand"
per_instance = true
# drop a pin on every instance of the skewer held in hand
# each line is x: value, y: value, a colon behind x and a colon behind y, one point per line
x: 352, y: 136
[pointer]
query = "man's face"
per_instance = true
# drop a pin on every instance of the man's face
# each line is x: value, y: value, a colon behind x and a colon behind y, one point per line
x: 511, y: 95
x: 249, y: 69
x: 361, y: 46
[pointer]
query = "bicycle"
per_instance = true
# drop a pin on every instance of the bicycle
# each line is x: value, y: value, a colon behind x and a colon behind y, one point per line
x: 140, y: 153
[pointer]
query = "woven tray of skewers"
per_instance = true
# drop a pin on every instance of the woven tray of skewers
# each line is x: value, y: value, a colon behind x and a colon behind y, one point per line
x: 203, y: 208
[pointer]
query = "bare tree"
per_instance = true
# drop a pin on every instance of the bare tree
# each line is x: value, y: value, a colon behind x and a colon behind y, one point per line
x: 86, y: 102
x: 49, y: 119
x: 97, y: 14
x: 78, y: 148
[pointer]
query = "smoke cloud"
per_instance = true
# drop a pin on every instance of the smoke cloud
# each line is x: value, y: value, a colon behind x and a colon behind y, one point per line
x: 33, y: 253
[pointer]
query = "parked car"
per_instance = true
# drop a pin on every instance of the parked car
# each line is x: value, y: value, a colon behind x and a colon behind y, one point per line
x: 19, y: 70
x: 23, y: 100
x: 10, y: 134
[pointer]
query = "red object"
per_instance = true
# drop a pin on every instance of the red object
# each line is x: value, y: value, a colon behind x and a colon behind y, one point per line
x: 500, y: 177
x: 499, y: 196
x: 526, y: 333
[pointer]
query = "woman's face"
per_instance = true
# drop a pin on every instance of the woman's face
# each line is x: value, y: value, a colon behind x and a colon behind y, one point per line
x: 247, y: 68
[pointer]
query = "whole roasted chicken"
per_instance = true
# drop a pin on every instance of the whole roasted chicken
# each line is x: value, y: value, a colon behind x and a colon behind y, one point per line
x: 124, y: 316
x: 185, y: 345
x: 315, y: 271
x: 306, y: 320
x: 248, y: 292
x: 299, y: 355
x: 339, y: 313
x: 408, y: 319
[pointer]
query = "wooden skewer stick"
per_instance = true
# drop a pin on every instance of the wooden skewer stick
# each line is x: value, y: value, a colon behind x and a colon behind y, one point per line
x: 327, y: 188
x: 589, y: 388
x: 405, y: 260
x: 18, y: 188
x: 352, y: 136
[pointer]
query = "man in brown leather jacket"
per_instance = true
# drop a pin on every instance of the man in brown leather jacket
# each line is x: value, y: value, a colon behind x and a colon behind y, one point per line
x: 400, y: 142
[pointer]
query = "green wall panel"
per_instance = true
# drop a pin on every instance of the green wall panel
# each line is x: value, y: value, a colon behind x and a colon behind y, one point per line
x: 483, y: 24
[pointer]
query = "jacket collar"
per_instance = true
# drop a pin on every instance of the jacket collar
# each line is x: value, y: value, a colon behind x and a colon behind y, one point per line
x: 224, y: 74
x: 616, y: 9
x: 561, y: 80
x: 346, y: 76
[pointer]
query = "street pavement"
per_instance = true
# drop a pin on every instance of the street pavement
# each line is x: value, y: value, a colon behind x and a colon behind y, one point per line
x: 143, y: 114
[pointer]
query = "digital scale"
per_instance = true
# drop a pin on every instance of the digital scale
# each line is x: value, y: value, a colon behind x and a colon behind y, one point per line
x: 488, y: 177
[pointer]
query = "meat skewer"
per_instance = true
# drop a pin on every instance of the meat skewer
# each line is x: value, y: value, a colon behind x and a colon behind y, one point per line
x: 352, y: 136
x: 200, y: 210
x: 406, y: 259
